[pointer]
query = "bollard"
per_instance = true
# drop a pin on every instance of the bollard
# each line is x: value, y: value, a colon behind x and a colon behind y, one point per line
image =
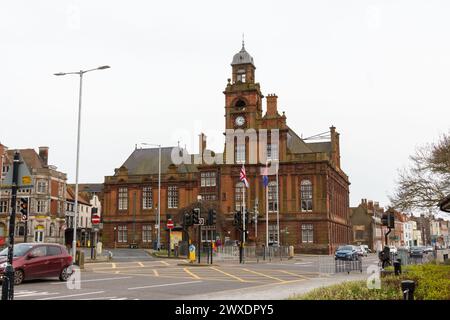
x: 408, y: 287
x: 397, y: 267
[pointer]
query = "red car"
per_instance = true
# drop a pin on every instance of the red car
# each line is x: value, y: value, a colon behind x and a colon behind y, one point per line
x: 38, y: 260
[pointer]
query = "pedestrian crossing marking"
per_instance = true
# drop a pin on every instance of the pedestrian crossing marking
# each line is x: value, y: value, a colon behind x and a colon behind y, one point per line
x: 164, y: 262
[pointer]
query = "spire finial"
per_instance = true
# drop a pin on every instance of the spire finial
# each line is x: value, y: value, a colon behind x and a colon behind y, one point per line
x: 243, y: 41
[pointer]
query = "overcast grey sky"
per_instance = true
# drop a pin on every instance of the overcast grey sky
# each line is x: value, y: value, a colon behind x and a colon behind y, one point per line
x: 377, y: 70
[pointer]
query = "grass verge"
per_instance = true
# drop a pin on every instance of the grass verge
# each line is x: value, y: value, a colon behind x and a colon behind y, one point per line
x: 432, y: 283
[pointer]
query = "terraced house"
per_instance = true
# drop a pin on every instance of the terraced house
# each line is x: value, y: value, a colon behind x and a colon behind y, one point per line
x: 310, y: 196
x: 46, y: 198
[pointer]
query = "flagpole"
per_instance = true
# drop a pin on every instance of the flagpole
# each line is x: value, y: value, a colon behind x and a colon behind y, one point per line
x: 243, y: 213
x: 267, y: 216
x: 278, y: 212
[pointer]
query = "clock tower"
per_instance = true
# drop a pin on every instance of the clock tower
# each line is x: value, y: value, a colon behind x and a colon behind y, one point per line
x: 243, y: 98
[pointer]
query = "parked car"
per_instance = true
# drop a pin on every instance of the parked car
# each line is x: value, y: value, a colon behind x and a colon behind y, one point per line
x: 347, y: 252
x: 37, y: 261
x: 393, y: 249
x: 416, y: 251
x: 365, y: 247
x: 231, y: 243
x: 361, y: 251
x: 428, y: 249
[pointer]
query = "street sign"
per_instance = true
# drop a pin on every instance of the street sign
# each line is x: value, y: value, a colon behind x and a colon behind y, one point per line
x: 26, y: 180
x: 24, y: 176
x: 170, y: 224
x: 201, y: 221
x: 95, y: 219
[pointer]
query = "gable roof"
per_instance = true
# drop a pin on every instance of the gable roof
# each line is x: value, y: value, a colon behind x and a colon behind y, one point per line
x: 146, y: 161
x: 70, y: 196
x: 295, y: 144
x: 29, y: 156
x: 89, y: 187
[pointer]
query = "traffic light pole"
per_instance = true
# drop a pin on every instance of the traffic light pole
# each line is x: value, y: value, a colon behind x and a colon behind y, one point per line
x: 25, y: 234
x: 8, y: 281
x: 386, y: 236
x: 199, y: 242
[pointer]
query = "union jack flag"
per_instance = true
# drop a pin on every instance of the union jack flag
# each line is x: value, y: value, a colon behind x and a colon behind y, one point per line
x: 243, y: 176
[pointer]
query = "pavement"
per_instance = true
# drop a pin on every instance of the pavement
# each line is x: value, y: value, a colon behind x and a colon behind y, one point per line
x: 134, y: 274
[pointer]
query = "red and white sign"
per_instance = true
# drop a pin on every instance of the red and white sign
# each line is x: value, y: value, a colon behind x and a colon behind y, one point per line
x: 170, y: 224
x: 95, y: 219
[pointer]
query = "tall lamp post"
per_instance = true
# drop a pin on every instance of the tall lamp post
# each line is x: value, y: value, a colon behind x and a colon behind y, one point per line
x: 158, y: 222
x: 80, y: 73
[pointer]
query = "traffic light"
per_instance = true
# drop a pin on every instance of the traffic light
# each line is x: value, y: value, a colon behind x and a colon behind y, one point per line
x: 187, y: 220
x: 237, y: 219
x: 248, y: 219
x: 24, y: 208
x: 388, y: 220
x: 391, y: 220
x: 384, y: 219
x: 195, y: 215
x: 212, y: 217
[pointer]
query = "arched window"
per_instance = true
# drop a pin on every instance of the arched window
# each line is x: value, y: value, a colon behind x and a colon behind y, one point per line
x: 238, y: 195
x: 306, y: 196
x: 51, y: 232
x: 240, y: 104
x: 273, y: 201
x: 20, y: 229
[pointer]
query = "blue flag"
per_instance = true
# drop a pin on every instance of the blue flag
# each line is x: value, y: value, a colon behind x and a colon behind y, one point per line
x: 265, y: 177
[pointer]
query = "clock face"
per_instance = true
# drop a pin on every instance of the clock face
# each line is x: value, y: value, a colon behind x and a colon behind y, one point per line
x: 239, y: 121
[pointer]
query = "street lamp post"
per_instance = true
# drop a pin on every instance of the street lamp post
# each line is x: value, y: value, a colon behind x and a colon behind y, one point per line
x: 158, y: 222
x: 80, y: 73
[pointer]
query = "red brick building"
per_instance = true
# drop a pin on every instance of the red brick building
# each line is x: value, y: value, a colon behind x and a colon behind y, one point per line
x: 313, y: 190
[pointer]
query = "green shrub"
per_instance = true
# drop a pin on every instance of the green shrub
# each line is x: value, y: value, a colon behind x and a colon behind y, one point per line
x: 432, y: 283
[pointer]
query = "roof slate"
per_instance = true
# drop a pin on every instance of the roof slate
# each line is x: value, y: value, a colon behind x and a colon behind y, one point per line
x: 146, y: 161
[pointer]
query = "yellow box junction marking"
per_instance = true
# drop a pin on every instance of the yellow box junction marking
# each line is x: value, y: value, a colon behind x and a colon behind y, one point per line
x: 191, y: 274
x: 228, y: 274
x: 264, y: 275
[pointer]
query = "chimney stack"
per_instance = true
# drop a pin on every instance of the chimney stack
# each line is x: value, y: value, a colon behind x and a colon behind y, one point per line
x: 272, y: 104
x: 43, y: 154
x: 202, y: 143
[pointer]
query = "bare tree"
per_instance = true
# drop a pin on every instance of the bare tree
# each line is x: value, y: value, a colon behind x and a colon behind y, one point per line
x: 427, y: 180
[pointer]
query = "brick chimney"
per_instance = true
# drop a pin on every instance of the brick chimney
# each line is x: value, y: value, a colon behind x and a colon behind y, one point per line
x: 335, y: 148
x: 43, y: 154
x: 272, y: 105
x: 201, y: 143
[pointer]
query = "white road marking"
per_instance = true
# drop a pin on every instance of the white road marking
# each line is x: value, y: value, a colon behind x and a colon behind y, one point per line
x: 303, y: 263
x: 165, y: 285
x: 98, y: 298
x: 95, y: 280
x: 33, y: 293
x: 72, y: 295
